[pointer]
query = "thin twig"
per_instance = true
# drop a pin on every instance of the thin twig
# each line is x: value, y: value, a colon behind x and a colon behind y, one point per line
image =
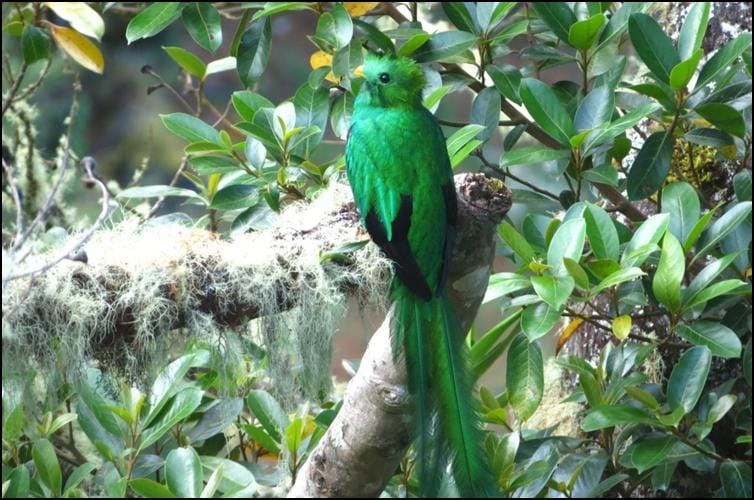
x: 16, y: 199
x: 88, y: 164
x: 501, y: 123
x: 31, y: 88
x: 14, y: 88
x: 507, y: 173
x: 173, y: 181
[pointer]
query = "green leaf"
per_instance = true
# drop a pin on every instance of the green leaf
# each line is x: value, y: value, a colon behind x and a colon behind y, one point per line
x: 723, y: 58
x: 517, y: 242
x: 721, y: 340
x: 532, y: 154
x: 15, y: 420
x: 335, y: 27
x: 618, y: 277
x: 557, y: 15
x: 596, y: 109
x: 236, y: 478
x: 553, y: 290
x: 188, y: 61
x: 507, y: 80
x: 48, y: 468
x: 459, y: 16
x: 583, y: 34
x: 603, y: 237
x: 688, y: 377
x: 182, y: 405
x: 504, y: 284
x: 606, y: 174
x: 255, y: 153
x: 648, y: 452
x: 340, y: 114
x: 537, y: 320
x: 693, y: 29
x: 152, y: 20
x: 524, y: 376
x: 461, y: 137
x: 183, y: 472
x: 653, y: 46
x: 412, y: 44
x: 650, y: 167
x: 312, y: 109
x: 168, y: 381
x: 269, y: 413
x: 604, y: 416
x: 682, y: 72
x: 742, y: 185
x: 681, y: 203
x: 543, y: 105
x: 735, y: 478
x: 724, y: 226
x: 568, y: 241
x: 81, y: 17
x: 577, y: 273
x: 620, y: 125
x: 77, y: 476
x: 712, y: 291
x: 444, y: 46
x: 486, y: 343
x: 619, y: 22
x: 432, y: 101
x: 191, y: 128
x: 202, y: 21
x: 34, y: 45
x: 247, y: 103
x: 235, y: 197
x: 254, y: 51
x: 271, y: 8
x: 709, y: 137
x: 149, y: 488
x: 698, y: 228
x: 666, y: 284
x: 724, y: 117
x: 485, y: 110
x: 706, y: 275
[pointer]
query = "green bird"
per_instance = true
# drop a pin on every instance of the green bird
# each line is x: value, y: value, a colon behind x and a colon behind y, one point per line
x: 402, y: 183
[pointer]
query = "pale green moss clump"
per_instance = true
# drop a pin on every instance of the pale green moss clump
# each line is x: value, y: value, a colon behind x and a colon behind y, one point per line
x: 142, y: 282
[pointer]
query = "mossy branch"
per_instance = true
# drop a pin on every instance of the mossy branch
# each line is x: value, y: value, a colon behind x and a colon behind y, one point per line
x: 363, y: 446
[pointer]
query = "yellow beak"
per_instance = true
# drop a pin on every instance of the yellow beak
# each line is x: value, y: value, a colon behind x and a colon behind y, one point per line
x: 359, y: 71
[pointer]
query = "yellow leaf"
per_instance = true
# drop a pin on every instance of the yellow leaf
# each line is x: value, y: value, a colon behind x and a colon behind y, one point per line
x: 79, y: 48
x: 567, y: 333
x: 622, y: 326
x: 701, y: 122
x: 82, y: 18
x: 357, y: 9
x: 322, y: 58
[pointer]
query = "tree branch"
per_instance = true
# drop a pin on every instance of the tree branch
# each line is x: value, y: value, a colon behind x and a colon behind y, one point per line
x: 363, y: 446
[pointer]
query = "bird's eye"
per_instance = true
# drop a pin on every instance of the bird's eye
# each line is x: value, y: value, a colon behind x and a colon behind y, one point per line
x: 385, y: 78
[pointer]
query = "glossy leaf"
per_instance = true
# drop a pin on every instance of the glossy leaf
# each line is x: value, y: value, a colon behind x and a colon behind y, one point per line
x: 723, y: 58
x: 555, y: 291
x: 568, y: 241
x: 532, y: 154
x: 682, y: 72
x: 188, y: 61
x: 202, y: 21
x: 713, y: 291
x: 543, y: 105
x: 507, y: 80
x: 735, y: 478
x: 723, y: 117
x: 680, y: 201
x: 312, y: 107
x: 621, y: 326
x: 688, y: 377
x: 81, y: 17
x: 254, y: 51
x: 518, y: 243
x: 618, y: 277
x: 693, y: 29
x: 583, y: 34
x: 152, y: 20
x: 557, y: 15
x: 596, y: 109
x: 34, y: 45
x: 603, y: 237
x: 651, y: 166
x: 48, y: 468
x: 524, y: 376
x: 648, y: 452
x: 149, y: 488
x: 666, y: 284
x: 653, y: 46
x: 538, y: 320
x: 444, y: 45
x: 721, y: 340
x: 269, y: 413
x: 191, y: 128
x: 604, y: 416
x: 724, y: 226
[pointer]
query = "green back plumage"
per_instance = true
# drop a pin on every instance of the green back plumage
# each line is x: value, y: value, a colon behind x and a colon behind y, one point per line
x: 402, y: 183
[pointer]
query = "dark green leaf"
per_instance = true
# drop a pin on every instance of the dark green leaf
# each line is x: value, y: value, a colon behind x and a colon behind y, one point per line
x: 543, y: 104
x: 188, y: 61
x: 202, y: 21
x: 653, y: 46
x: 77, y: 476
x: 687, y: 380
x: 374, y: 35
x: 620, y: 125
x: 517, y: 242
x: 444, y: 46
x: 724, y: 225
x: 557, y: 15
x: 706, y: 275
x: 618, y: 277
x: 459, y: 16
x: 181, y: 406
x: 650, y: 166
x: 605, y: 416
x: 742, y: 185
x: 46, y: 463
x: 152, y: 20
x: 735, y: 478
x: 524, y: 376
x: 709, y: 137
x: 698, y: 228
x: 583, y: 34
x: 606, y: 174
x: 713, y: 291
x: 693, y: 29
x: 577, y: 273
x: 723, y: 117
x: 254, y: 51
x: 34, y: 45
x: 507, y: 80
x: 537, y: 320
x: 666, y: 284
x: 603, y: 237
x: 149, y: 488
x: 721, y: 340
x: 723, y: 58
x: 596, y: 109
x: 648, y: 452
x: 680, y: 201
x: 269, y: 413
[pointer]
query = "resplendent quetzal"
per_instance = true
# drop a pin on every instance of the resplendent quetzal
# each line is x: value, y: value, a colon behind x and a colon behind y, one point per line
x: 402, y: 183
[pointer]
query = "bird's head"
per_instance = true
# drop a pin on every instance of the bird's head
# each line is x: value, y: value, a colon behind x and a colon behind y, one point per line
x: 391, y: 81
